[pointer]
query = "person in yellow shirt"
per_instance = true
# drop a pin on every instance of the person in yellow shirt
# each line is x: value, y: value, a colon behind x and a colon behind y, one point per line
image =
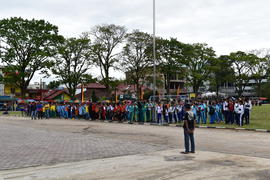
x: 87, y: 115
x: 46, y: 110
x: 53, y: 111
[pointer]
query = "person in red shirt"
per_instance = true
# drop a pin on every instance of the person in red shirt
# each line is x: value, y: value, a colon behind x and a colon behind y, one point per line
x: 231, y: 112
x: 103, y: 112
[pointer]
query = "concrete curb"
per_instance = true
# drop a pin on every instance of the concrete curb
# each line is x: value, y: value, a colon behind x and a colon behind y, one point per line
x: 228, y: 128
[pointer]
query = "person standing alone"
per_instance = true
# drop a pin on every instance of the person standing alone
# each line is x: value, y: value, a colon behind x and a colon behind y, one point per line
x: 189, y: 127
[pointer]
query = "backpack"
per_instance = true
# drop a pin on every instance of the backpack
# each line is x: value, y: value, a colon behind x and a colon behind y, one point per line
x: 211, y: 110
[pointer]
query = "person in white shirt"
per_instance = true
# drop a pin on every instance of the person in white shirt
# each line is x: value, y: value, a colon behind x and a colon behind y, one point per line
x: 159, y: 113
x: 247, y: 109
x: 226, y: 111
x: 170, y: 112
x: 241, y: 113
x: 179, y: 109
x: 236, y: 114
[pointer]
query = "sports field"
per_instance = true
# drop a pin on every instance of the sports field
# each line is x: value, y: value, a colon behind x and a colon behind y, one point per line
x: 260, y: 118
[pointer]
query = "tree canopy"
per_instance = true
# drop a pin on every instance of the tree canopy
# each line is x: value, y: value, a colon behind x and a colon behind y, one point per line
x: 25, y: 48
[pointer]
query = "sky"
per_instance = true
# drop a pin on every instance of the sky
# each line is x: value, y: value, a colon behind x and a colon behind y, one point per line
x: 225, y: 25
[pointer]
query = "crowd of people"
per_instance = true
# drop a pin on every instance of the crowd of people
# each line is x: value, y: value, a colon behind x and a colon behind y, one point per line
x: 230, y: 111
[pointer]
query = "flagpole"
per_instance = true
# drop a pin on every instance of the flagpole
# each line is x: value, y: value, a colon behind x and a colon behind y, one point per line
x: 154, y: 57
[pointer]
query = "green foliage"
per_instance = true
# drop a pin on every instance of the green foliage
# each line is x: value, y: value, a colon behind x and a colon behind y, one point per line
x: 54, y: 84
x: 170, y: 54
x: 241, y: 63
x: 94, y: 97
x: 72, y: 62
x: 222, y: 72
x: 265, y: 90
x: 198, y: 59
x: 106, y: 40
x: 88, y: 78
x: 25, y: 46
x: 135, y: 57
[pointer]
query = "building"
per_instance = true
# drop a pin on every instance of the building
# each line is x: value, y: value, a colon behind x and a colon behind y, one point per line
x: 175, y: 85
x: 249, y: 91
x: 99, y: 90
x: 56, y: 95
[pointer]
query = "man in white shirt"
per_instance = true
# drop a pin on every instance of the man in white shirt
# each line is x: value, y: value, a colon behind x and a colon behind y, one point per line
x: 247, y: 109
x: 241, y: 113
x: 236, y: 113
x: 226, y: 111
x: 159, y: 113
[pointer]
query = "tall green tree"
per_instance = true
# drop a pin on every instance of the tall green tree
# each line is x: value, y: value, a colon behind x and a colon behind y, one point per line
x: 54, y: 84
x: 221, y: 73
x: 106, y: 40
x: 241, y: 64
x: 72, y: 62
x: 171, y: 59
x: 260, y: 68
x: 25, y: 48
x: 135, y: 57
x: 198, y: 58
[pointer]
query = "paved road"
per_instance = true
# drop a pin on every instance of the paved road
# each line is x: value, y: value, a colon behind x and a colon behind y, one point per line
x: 25, y: 142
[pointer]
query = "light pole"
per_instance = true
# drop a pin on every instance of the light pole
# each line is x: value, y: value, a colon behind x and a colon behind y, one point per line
x: 154, y: 57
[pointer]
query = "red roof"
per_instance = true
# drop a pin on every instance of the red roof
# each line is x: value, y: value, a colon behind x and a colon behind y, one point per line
x: 94, y: 86
x: 53, y: 93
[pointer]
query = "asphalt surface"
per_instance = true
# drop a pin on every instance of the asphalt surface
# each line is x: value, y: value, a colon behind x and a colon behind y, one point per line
x: 32, y: 143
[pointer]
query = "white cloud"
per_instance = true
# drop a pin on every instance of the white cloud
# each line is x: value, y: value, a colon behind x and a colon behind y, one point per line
x: 226, y: 25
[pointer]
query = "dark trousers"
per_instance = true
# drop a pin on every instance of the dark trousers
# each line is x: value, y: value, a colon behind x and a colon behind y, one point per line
x: 159, y: 118
x: 246, y: 116
x: 237, y: 119
x: 170, y: 117
x: 226, y: 116
x: 189, y: 137
x: 231, y: 117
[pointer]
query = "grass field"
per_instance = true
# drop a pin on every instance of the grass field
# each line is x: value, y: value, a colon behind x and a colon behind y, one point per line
x: 260, y: 118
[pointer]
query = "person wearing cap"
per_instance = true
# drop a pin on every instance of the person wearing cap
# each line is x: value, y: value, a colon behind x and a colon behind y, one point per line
x: 189, y: 127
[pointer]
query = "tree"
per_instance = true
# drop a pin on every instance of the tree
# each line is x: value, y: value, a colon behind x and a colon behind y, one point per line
x: 25, y: 48
x: 260, y: 67
x: 94, y: 98
x: 88, y: 78
x: 171, y: 59
x: 135, y: 58
x: 72, y: 62
x: 114, y: 83
x: 54, y: 84
x: 198, y: 58
x: 241, y: 64
x: 221, y: 72
x: 265, y: 90
x: 106, y: 40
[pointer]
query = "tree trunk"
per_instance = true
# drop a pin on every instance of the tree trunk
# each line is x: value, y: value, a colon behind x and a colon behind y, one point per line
x: 168, y: 84
x: 23, y: 89
x: 217, y: 90
x: 138, y: 90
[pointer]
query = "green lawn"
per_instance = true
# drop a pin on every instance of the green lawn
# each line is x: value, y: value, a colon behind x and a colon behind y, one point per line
x: 12, y: 113
x: 260, y: 119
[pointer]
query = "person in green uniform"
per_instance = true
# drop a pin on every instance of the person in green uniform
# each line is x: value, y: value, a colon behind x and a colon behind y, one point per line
x: 148, y: 111
x: 136, y: 112
x: 130, y: 109
x: 144, y: 109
